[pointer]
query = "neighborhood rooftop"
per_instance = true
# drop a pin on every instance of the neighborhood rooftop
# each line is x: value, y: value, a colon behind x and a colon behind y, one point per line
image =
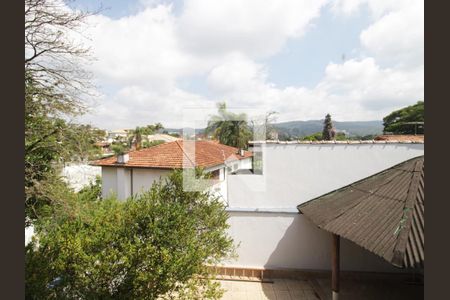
x: 173, y: 155
x: 383, y: 213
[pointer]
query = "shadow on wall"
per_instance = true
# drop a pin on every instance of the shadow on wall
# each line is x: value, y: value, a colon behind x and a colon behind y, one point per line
x: 305, y: 246
x: 300, y: 247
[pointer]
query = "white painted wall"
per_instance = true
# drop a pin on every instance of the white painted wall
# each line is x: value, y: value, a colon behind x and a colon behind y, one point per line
x: 290, y: 241
x: 118, y: 180
x: 245, y: 163
x: 144, y: 178
x: 109, y: 181
x: 78, y: 175
x: 293, y: 174
x: 123, y: 184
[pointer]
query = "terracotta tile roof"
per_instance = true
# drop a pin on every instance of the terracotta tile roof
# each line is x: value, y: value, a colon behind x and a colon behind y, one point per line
x: 383, y: 213
x: 173, y: 155
x: 403, y: 137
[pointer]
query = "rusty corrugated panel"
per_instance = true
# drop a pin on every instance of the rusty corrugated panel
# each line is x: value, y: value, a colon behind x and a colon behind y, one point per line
x: 383, y: 213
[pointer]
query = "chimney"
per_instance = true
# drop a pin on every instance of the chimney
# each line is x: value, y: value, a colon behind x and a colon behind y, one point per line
x: 241, y: 152
x: 123, y: 158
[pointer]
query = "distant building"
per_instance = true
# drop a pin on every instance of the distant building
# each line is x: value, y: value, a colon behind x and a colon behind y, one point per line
x: 118, y: 133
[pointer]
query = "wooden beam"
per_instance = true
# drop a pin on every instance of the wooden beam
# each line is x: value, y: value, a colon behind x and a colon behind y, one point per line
x: 335, y: 266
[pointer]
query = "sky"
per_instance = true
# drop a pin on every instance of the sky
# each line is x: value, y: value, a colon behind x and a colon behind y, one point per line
x: 154, y: 60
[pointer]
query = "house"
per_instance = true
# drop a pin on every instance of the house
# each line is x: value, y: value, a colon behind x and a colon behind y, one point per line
x: 118, y: 133
x: 104, y: 146
x: 142, y: 167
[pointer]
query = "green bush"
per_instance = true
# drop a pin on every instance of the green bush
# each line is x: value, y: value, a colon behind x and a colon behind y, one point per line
x: 157, y: 245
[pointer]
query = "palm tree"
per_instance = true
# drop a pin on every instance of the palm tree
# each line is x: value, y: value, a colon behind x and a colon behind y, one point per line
x: 229, y: 128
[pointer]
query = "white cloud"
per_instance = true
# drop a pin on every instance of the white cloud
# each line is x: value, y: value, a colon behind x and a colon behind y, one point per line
x: 374, y: 88
x: 354, y: 90
x: 139, y: 49
x: 254, y: 28
x: 145, y: 55
x: 397, y: 38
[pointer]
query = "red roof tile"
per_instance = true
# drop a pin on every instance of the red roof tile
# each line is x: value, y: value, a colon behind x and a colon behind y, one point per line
x: 171, y: 156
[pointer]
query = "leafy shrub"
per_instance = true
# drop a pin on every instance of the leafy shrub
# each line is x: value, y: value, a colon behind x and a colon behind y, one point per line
x: 147, y: 144
x: 157, y: 245
x: 119, y: 149
x: 93, y: 191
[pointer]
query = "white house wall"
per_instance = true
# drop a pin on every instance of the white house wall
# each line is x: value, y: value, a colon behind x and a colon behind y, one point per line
x: 246, y: 163
x: 293, y: 174
x: 109, y: 181
x: 144, y: 178
x: 123, y: 183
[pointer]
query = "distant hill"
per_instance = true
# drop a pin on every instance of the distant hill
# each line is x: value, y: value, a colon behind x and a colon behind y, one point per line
x: 299, y: 129
x: 351, y: 128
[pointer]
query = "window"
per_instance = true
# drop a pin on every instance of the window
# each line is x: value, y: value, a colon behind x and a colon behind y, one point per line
x: 215, y: 174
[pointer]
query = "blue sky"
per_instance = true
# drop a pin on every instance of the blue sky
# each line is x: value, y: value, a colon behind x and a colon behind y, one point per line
x: 301, y: 58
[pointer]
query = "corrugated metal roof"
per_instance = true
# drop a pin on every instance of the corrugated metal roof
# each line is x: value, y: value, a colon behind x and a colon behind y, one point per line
x: 383, y: 213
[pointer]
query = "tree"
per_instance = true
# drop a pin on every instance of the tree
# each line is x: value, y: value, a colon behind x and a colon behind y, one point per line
x: 407, y: 120
x: 54, y: 55
x: 155, y: 246
x: 328, y: 132
x: 55, y: 84
x: 137, y: 135
x: 318, y: 136
x: 80, y: 142
x: 229, y: 128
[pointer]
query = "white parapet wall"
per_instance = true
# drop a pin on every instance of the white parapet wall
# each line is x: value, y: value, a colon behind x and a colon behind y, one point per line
x: 295, y: 173
x: 262, y: 208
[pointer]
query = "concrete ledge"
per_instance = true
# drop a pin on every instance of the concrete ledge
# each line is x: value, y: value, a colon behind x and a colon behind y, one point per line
x: 262, y: 210
x: 268, y: 273
x: 346, y: 142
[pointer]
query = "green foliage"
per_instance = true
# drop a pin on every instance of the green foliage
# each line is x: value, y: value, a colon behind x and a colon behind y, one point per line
x: 139, y: 134
x: 157, y: 245
x: 229, y: 128
x: 119, y: 149
x: 313, y: 137
x: 318, y: 136
x: 327, y: 134
x: 93, y: 191
x: 147, y: 144
x: 395, y: 121
x: 55, y: 84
